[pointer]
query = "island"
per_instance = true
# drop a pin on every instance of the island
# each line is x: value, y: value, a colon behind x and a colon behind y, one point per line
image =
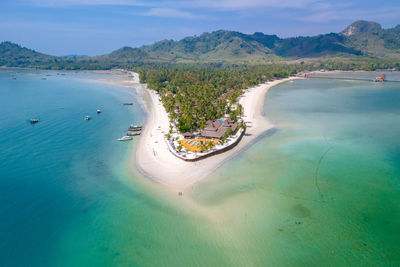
x: 177, y: 156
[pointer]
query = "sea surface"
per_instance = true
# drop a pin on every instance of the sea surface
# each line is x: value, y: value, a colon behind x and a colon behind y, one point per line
x: 322, y: 189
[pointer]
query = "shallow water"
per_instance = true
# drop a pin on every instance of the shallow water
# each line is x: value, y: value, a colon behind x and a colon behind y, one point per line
x: 322, y: 190
x: 68, y: 196
x: 325, y: 187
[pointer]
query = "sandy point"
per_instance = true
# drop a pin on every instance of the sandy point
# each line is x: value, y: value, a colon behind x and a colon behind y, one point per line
x: 155, y: 161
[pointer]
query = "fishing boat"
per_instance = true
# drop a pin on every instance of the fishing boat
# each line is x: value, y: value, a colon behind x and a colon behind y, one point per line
x: 33, y: 121
x: 133, y: 133
x: 125, y: 138
x: 132, y: 129
x: 127, y: 104
x: 98, y: 111
x: 87, y: 118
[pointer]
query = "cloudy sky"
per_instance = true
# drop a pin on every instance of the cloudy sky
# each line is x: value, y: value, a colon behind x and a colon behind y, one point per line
x: 94, y: 27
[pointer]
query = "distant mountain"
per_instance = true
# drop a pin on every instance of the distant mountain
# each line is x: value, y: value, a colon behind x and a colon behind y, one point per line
x: 362, y: 27
x: 372, y: 40
x: 234, y: 46
x: 75, y: 56
x: 361, y: 39
x: 13, y: 55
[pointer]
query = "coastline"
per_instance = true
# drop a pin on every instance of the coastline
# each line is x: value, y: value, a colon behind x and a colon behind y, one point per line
x: 153, y: 158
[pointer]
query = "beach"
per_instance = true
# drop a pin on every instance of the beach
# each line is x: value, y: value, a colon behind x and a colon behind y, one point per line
x: 328, y: 168
x: 155, y: 161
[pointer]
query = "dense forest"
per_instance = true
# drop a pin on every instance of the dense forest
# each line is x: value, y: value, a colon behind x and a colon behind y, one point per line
x: 193, y: 94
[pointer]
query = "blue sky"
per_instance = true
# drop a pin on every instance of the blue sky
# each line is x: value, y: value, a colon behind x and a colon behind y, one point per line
x: 94, y: 27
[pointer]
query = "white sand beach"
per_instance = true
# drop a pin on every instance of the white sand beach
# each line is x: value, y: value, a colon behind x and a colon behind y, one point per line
x: 155, y: 161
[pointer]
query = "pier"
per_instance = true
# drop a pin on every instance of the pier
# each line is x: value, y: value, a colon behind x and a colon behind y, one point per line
x: 348, y: 79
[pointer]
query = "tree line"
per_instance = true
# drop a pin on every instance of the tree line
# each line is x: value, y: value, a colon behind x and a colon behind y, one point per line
x: 194, y: 94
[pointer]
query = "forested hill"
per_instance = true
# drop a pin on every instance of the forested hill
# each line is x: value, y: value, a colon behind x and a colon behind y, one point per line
x: 13, y: 55
x: 360, y: 40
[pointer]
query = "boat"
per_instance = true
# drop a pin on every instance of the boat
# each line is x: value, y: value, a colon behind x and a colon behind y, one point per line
x: 135, y: 126
x: 33, y: 121
x: 87, y: 118
x: 132, y: 129
x: 125, y: 138
x: 133, y: 133
x: 98, y: 111
x: 127, y: 104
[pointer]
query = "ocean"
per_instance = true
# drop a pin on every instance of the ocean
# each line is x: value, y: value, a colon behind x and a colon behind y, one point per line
x: 321, y: 189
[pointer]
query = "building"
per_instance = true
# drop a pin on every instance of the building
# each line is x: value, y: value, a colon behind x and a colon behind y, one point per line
x: 216, y: 129
x: 381, y: 78
x: 188, y: 135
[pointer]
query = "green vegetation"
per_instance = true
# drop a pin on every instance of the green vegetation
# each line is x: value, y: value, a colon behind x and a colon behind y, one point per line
x: 228, y: 133
x: 193, y: 94
x: 200, y: 78
x: 361, y: 41
x: 372, y: 40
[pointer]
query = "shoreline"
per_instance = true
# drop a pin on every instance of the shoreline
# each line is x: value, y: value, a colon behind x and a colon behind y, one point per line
x: 153, y: 158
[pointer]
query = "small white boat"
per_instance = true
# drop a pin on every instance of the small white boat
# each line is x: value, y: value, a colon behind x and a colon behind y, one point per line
x: 87, y: 118
x: 98, y: 111
x: 125, y: 138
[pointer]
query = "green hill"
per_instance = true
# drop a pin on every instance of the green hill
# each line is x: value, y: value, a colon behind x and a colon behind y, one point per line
x: 372, y: 40
x: 361, y: 40
x: 13, y: 55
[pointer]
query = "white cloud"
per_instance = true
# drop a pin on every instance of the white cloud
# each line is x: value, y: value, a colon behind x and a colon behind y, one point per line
x: 57, y: 3
x: 251, y: 4
x: 169, y: 13
x: 213, y: 4
x: 330, y: 15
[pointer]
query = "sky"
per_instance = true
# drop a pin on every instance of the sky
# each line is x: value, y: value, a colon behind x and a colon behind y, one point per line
x: 95, y: 27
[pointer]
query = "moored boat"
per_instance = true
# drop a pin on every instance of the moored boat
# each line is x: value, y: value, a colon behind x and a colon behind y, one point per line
x: 33, y: 121
x: 87, y: 118
x: 125, y: 138
x: 98, y: 111
x: 127, y: 104
x: 135, y: 128
x: 133, y: 133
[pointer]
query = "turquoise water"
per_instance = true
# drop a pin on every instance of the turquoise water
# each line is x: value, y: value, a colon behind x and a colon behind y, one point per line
x: 56, y: 173
x: 67, y: 194
x: 323, y: 189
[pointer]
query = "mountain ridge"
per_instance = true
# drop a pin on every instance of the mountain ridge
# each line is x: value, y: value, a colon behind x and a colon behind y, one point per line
x: 364, y: 39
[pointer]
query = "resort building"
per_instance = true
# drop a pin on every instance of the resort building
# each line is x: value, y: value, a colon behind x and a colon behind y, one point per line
x: 216, y: 129
x: 188, y: 135
x: 381, y: 78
